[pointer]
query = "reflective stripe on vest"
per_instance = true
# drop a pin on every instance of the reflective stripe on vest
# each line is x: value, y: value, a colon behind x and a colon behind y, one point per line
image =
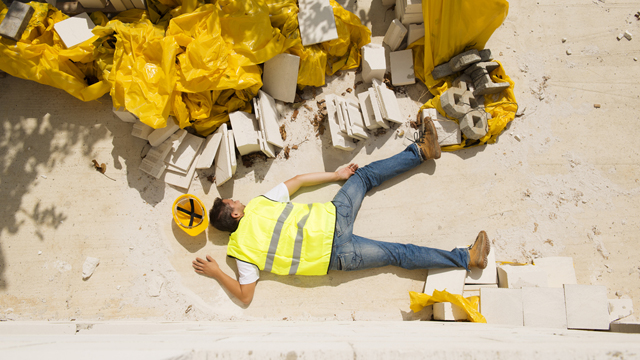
x: 285, y: 238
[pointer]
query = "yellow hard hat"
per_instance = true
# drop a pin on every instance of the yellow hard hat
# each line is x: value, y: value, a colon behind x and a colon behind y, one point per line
x: 190, y: 214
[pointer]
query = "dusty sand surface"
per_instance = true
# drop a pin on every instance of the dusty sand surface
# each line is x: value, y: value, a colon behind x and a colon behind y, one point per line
x: 569, y: 187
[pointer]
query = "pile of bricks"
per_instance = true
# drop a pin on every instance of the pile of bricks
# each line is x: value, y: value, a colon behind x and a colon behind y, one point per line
x: 545, y: 294
x: 409, y: 11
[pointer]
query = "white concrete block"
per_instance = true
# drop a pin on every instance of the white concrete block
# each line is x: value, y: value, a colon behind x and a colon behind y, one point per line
x: 153, y: 163
x: 182, y: 180
x: 412, y: 18
x: 125, y: 116
x: 374, y: 62
x: 517, y: 276
x: 587, y: 307
x: 402, y: 68
x: 544, y: 307
x: 355, y: 119
x: 395, y: 34
x: 209, y: 150
x: 316, y: 21
x: 245, y: 132
x: 502, y: 306
x: 183, y: 156
x: 232, y: 152
x: 223, y: 158
x: 158, y: 136
x: 266, y: 148
x: 338, y: 138
x: 446, y: 311
x: 450, y: 279
x: 269, y: 117
x: 559, y: 270
x: 141, y: 130
x: 415, y: 32
x: 375, y: 105
x: 448, y: 132
x: 619, y: 308
x: 93, y: 4
x: 367, y: 111
x: 281, y: 76
x: 76, y: 29
x: 389, y: 107
x: 488, y: 275
x: 341, y: 115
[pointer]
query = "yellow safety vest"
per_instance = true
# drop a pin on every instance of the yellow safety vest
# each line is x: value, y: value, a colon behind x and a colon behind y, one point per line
x: 285, y: 238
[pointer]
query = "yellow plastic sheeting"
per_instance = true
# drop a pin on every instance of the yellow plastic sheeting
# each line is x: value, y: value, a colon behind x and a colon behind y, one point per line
x: 452, y: 27
x: 469, y: 305
x: 40, y: 55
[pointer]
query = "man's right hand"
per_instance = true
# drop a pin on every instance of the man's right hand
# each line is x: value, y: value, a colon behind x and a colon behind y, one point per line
x: 207, y: 267
x: 346, y: 172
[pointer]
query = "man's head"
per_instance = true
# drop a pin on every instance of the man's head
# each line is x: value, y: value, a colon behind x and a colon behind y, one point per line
x: 225, y: 214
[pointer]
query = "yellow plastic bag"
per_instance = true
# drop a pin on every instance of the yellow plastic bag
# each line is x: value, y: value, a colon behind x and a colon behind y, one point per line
x: 452, y: 27
x: 469, y: 305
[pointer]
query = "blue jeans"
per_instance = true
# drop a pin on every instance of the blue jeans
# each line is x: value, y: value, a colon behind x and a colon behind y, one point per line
x: 352, y: 252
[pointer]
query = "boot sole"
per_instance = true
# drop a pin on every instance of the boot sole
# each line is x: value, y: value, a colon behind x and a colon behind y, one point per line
x: 435, y: 133
x: 482, y: 259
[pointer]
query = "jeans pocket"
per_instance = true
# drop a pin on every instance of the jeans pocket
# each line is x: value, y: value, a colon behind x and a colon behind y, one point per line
x: 343, y: 219
x: 349, y: 261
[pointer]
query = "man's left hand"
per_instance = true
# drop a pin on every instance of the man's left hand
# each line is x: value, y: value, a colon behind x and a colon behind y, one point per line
x: 346, y: 172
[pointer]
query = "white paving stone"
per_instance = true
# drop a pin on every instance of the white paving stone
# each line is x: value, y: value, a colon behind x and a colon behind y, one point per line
x: 223, y: 159
x: 269, y: 118
x: 245, y: 132
x: 281, y: 76
x: 209, y: 150
x: 158, y: 136
x: 559, y: 270
x: 402, y: 68
x: 517, y: 276
x: 450, y: 279
x: 544, y: 307
x: 316, y: 21
x: 75, y: 30
x: 587, y: 307
x: 183, y: 156
x: 502, y: 306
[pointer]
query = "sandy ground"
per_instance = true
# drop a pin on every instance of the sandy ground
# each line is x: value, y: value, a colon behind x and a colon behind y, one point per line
x: 568, y: 187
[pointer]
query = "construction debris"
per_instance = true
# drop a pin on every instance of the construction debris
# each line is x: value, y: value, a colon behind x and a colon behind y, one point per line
x: 402, y: 68
x: 374, y: 63
x: 281, y: 76
x: 409, y: 11
x: 89, y: 267
x: 75, y: 30
x: 316, y: 22
x: 395, y: 34
x: 16, y: 20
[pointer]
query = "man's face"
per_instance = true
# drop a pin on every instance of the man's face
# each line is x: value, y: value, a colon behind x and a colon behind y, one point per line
x: 237, y: 209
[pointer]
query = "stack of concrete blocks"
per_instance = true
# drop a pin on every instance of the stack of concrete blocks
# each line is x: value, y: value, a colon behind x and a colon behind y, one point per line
x: 374, y: 62
x: 448, y: 130
x: 409, y: 11
x: 502, y: 306
x: 387, y: 102
x: 460, y: 62
x: 416, y: 31
x: 459, y: 102
x: 451, y: 280
x: 182, y: 161
x: 141, y: 130
x: 316, y: 22
x: 75, y: 30
x: 339, y: 139
x: 154, y: 162
x: 281, y: 76
x: 349, y: 118
x: 371, y: 110
x: 210, y: 149
x: 402, y: 68
x: 395, y: 34
x: 16, y: 20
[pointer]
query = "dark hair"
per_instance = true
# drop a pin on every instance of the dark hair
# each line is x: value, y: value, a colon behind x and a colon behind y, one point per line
x: 220, y: 216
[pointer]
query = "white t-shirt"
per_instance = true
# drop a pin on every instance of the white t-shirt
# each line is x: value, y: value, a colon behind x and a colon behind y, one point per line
x: 249, y: 273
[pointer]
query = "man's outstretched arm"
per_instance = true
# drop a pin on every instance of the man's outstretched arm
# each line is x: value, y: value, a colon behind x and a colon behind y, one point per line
x: 209, y: 267
x: 298, y: 181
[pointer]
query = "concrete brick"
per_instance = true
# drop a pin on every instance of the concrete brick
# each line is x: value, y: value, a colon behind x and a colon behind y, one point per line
x: 488, y: 275
x: 153, y: 163
x: 485, y: 55
x: 232, y: 152
x: 374, y: 62
x: 464, y: 82
x: 448, y: 132
x: 517, y: 276
x: 375, y: 105
x: 559, y: 270
x: 75, y: 30
x: 158, y: 136
x: 402, y: 68
x: 544, y: 307
x: 490, y: 88
x: 245, y: 130
x: 355, y: 119
x: 209, y: 150
x: 587, y: 307
x: 338, y: 138
x: 450, y: 279
x: 446, y: 311
x: 266, y: 148
x: 441, y: 71
x: 16, y: 20
x: 183, y: 156
x: 479, y: 73
x: 457, y: 102
x: 395, y: 34
x: 411, y: 18
x: 415, y: 33
x: 474, y: 124
x: 125, y: 116
x: 389, y: 108
x: 223, y: 158
x: 93, y: 4
x: 141, y: 130
x: 340, y: 114
x: 619, y: 308
x: 463, y: 60
x: 280, y: 77
x: 502, y: 306
x: 182, y: 180
x: 269, y: 117
x: 367, y: 111
x: 316, y: 22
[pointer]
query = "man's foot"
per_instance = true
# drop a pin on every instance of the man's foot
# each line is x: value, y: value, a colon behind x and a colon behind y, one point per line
x: 428, y: 141
x: 479, y: 252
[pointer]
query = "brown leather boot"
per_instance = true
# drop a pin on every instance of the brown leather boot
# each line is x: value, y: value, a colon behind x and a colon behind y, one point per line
x: 479, y: 252
x: 428, y: 141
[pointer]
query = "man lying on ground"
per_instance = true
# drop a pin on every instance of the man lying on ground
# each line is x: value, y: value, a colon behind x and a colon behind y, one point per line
x: 273, y: 234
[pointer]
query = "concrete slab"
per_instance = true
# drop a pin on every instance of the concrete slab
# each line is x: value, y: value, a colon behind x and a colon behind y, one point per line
x: 474, y: 124
x: 280, y: 77
x: 375, y: 105
x: 502, y: 306
x: 184, y: 155
x: 245, y: 132
x: 141, y: 130
x: 368, y: 115
x: 16, y: 20
x: 158, y: 136
x: 449, y: 279
x: 154, y: 162
x: 316, y: 22
x: 465, y: 59
x: 395, y: 34
x: 338, y: 138
x: 269, y: 118
x: 544, y: 307
x: 587, y: 307
x: 448, y: 132
x: 75, y: 30
x: 559, y: 269
x: 389, y: 108
x: 223, y: 159
x: 93, y: 4
x: 232, y: 151
x: 355, y: 119
x: 209, y: 150
x: 447, y: 311
x: 402, y: 68
x: 125, y: 115
x: 517, y: 276
x: 474, y: 289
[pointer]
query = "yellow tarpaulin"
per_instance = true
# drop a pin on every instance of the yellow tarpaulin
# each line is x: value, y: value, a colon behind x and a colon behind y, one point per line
x: 452, y: 27
x: 469, y: 305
